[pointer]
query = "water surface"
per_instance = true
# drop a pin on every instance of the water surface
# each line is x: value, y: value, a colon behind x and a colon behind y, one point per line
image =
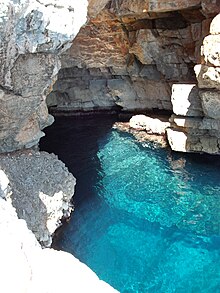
x: 145, y: 220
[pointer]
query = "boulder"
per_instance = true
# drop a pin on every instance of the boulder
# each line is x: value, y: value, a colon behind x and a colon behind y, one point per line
x: 150, y: 125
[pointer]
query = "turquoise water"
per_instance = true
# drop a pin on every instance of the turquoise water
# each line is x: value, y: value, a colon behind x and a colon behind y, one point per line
x: 146, y: 220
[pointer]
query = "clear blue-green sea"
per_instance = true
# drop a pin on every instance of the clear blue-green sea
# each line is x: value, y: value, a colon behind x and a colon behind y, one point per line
x: 146, y: 220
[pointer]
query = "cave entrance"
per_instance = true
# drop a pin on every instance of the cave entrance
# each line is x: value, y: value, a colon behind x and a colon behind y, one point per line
x: 129, y: 62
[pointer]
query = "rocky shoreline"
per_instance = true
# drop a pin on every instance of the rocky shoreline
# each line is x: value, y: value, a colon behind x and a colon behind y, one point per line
x: 141, y: 135
x: 27, y: 268
x: 130, y: 56
x: 35, y: 194
x: 35, y: 187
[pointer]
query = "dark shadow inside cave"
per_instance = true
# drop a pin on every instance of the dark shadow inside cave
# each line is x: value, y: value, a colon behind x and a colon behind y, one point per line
x: 79, y: 154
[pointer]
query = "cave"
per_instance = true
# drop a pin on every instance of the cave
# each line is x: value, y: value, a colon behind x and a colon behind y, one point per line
x: 126, y: 94
x: 129, y: 61
x: 137, y: 204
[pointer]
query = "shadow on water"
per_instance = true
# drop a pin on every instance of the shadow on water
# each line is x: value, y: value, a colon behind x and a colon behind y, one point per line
x: 68, y: 138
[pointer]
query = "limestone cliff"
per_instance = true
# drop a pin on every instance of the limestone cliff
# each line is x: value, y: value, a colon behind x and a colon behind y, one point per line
x: 35, y: 187
x: 196, y: 123
x: 40, y: 188
x: 33, y: 34
x: 129, y: 55
x: 140, y: 56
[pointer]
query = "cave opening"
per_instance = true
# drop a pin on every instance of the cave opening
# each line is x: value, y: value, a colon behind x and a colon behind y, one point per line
x: 129, y: 61
x: 146, y: 219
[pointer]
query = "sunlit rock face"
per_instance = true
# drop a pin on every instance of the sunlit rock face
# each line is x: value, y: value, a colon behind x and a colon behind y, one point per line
x: 33, y: 35
x: 129, y: 55
x: 196, y: 123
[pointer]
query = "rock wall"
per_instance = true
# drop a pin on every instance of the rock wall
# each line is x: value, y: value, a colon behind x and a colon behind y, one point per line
x: 128, y: 56
x: 33, y: 35
x: 35, y: 187
x: 40, y: 188
x: 196, y: 119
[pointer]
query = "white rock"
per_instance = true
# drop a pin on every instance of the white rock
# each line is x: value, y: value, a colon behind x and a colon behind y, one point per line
x: 185, y: 100
x: 177, y: 140
x: 33, y: 35
x: 27, y: 268
x: 4, y: 182
x: 211, y: 49
x: 215, y: 25
x: 151, y: 125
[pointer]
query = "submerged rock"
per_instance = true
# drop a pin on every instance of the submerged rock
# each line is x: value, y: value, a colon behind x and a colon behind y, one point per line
x: 140, y: 133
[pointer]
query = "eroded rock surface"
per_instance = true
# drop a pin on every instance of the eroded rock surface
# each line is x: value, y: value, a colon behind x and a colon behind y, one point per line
x: 40, y: 188
x: 197, y: 126
x: 128, y: 55
x: 149, y: 124
x: 33, y: 34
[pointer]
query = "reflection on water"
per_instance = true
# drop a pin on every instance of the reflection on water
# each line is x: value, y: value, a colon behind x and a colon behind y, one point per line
x: 146, y: 219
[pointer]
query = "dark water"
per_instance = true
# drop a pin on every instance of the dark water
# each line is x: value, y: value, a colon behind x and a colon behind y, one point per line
x: 145, y: 220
